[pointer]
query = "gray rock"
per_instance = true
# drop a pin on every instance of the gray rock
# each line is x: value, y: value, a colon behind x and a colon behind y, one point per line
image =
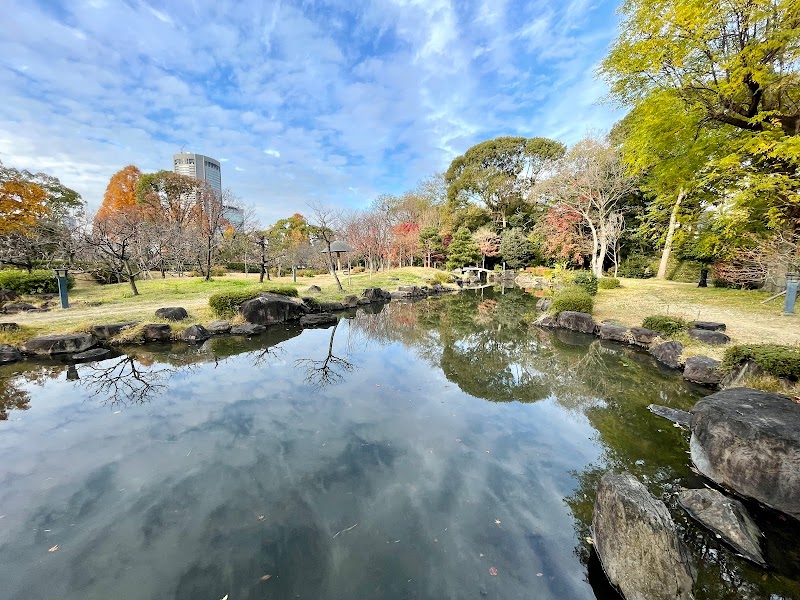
x: 156, y: 332
x: 350, y: 301
x: 9, y: 327
x: 712, y: 338
x: 106, y: 332
x: 172, y: 313
x: 16, y: 307
x: 749, y: 441
x: 727, y: 518
x: 318, y: 320
x: 637, y: 542
x: 314, y: 289
x: 544, y: 304
x: 90, y: 355
x: 9, y: 354
x: 195, y: 334
x: 8, y: 295
x: 576, y: 321
x: 708, y: 325
x: 642, y: 336
x: 409, y: 291
x: 703, y: 370
x: 248, y: 329
x: 547, y: 321
x: 376, y: 295
x: 668, y: 353
x: 616, y: 333
x: 65, y: 343
x: 681, y: 417
x: 269, y: 309
x: 438, y: 288
x: 219, y: 327
x: 330, y: 307
x: 364, y: 301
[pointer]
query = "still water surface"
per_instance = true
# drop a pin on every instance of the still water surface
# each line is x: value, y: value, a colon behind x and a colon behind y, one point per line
x: 410, y: 452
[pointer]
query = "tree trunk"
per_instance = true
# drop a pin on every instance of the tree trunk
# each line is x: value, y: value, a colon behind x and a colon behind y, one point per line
x: 595, y: 247
x: 673, y: 218
x: 333, y: 266
x: 208, y: 258
x: 131, y: 278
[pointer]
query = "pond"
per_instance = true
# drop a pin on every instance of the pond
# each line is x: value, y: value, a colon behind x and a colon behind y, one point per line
x: 441, y: 449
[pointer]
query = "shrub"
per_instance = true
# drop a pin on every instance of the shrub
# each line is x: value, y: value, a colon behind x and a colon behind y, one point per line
x: 608, y: 283
x: 358, y: 269
x: 238, y: 267
x: 665, y: 324
x: 442, y: 278
x: 587, y: 280
x: 36, y: 282
x: 636, y: 266
x: 227, y: 303
x: 572, y: 298
x: 779, y: 361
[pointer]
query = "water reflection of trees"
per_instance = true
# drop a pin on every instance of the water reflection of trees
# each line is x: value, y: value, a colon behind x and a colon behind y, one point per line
x: 125, y: 380
x: 13, y: 378
x: 326, y: 371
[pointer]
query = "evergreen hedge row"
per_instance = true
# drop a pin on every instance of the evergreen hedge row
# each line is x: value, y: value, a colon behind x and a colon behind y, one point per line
x: 37, y: 282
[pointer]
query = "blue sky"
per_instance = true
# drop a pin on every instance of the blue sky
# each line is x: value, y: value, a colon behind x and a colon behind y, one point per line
x: 330, y: 101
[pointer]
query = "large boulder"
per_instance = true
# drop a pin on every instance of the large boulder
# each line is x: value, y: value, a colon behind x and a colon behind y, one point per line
x: 329, y: 307
x: 376, y: 295
x: 106, y: 332
x: 668, y: 353
x: 727, y: 518
x: 616, y: 333
x: 195, y: 334
x: 156, y: 332
x: 172, y: 313
x: 314, y: 289
x: 318, y: 320
x: 547, y: 321
x: 708, y: 325
x: 749, y: 441
x: 64, y: 343
x: 248, y: 329
x: 702, y: 370
x: 9, y: 354
x: 636, y: 540
x: 712, y: 338
x: 576, y: 321
x: 350, y: 301
x: 643, y: 337
x: 219, y: 327
x: 269, y: 309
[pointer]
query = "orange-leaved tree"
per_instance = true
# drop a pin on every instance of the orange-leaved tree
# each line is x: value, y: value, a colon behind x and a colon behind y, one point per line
x: 120, y: 196
x: 22, y: 205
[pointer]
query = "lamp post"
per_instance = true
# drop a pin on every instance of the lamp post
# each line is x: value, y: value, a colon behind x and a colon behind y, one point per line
x: 61, y: 275
x: 792, y: 282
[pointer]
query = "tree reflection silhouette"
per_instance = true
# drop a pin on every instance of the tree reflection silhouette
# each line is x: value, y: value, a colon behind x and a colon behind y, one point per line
x: 124, y: 382
x: 329, y: 370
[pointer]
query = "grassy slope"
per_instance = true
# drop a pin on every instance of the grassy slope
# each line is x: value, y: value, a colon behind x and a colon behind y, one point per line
x: 117, y: 302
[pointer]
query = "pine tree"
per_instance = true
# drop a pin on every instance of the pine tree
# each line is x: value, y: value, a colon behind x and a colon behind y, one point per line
x: 463, y: 250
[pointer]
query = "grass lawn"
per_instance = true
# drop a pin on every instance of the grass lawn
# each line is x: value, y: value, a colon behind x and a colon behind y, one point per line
x: 93, y: 304
x: 748, y: 321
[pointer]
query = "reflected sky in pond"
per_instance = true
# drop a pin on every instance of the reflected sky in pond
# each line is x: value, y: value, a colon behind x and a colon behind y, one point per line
x: 401, y: 454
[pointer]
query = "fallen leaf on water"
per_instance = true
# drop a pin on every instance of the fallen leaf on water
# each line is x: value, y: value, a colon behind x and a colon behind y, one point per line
x: 266, y: 577
x: 53, y: 549
x: 492, y: 571
x: 261, y: 517
x: 539, y: 574
x: 497, y: 521
x: 225, y: 597
x: 589, y: 540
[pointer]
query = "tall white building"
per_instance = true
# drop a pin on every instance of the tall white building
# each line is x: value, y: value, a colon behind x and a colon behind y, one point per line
x: 199, y: 167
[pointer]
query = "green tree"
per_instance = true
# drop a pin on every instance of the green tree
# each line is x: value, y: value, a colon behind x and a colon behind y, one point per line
x: 431, y: 244
x: 515, y: 248
x: 288, y: 235
x: 499, y: 172
x: 463, y: 250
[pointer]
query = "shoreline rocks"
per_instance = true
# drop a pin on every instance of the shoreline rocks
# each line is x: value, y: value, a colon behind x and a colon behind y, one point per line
x: 680, y: 417
x: 668, y: 353
x: 172, y: 313
x: 108, y: 331
x: 9, y: 354
x: 712, y: 338
x: 748, y: 441
x: 269, y: 309
x: 64, y: 343
x: 702, y: 370
x: 576, y: 321
x: 637, y: 542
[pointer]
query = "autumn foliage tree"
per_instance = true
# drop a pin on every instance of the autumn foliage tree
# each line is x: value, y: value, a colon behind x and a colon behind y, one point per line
x: 488, y: 243
x: 120, y: 195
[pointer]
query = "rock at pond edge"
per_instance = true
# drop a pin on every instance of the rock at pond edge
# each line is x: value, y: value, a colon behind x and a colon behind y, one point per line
x: 668, y: 353
x: 703, y: 370
x: 172, y: 313
x: 64, y: 343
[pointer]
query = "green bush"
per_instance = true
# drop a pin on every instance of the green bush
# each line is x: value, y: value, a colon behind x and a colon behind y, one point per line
x: 238, y: 267
x: 226, y: 304
x: 36, y: 282
x: 664, y: 324
x: 636, y: 266
x: 608, y: 283
x: 442, y: 278
x: 572, y: 298
x: 779, y: 361
x: 587, y: 280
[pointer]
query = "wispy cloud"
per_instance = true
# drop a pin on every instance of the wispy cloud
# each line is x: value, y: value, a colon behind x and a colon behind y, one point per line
x: 333, y: 100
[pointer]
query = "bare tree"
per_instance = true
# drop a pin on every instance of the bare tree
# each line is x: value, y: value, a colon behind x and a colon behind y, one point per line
x: 330, y: 369
x: 113, y: 243
x: 324, y: 227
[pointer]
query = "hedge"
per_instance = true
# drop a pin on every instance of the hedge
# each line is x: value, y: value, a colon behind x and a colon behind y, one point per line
x: 665, y: 324
x: 587, y: 280
x: 572, y: 298
x: 227, y: 303
x: 36, y: 282
x: 636, y: 266
x: 779, y: 361
x: 609, y: 283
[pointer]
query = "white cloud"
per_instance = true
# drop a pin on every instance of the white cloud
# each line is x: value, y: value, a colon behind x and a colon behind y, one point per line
x: 272, y: 152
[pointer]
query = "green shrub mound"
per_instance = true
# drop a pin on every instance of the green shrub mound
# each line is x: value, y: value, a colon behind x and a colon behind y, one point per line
x: 608, y: 283
x: 358, y: 269
x: 779, y: 361
x: 239, y: 267
x: 36, y: 282
x: 587, y: 280
x: 572, y: 298
x: 636, y: 266
x: 226, y: 304
x: 442, y: 278
x: 664, y: 324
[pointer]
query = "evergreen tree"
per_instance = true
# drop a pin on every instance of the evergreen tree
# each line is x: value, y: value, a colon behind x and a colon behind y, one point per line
x: 515, y: 247
x: 463, y: 250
